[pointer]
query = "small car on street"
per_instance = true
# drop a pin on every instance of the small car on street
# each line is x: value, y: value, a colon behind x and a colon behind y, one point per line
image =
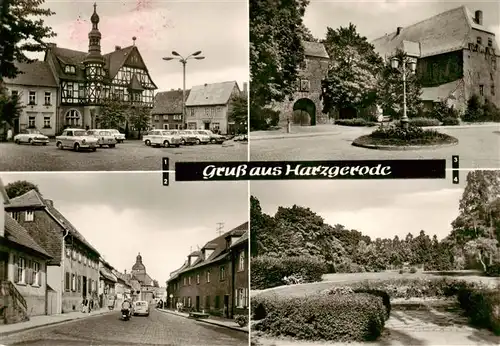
x: 186, y: 138
x: 214, y: 138
x: 76, y: 139
x: 104, y: 137
x: 200, y: 138
x: 120, y: 137
x: 146, y: 138
x: 141, y: 308
x: 31, y: 136
x: 164, y: 138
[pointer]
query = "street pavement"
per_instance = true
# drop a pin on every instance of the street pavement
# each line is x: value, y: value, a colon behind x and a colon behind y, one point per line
x: 128, y: 156
x: 156, y: 329
x: 478, y: 147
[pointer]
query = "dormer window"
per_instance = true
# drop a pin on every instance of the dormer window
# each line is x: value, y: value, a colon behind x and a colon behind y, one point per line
x: 70, y: 69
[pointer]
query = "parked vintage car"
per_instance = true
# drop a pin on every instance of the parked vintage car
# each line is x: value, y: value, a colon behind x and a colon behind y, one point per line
x: 104, y: 137
x: 31, y: 136
x: 164, y: 138
x: 200, y: 138
x: 186, y: 138
x: 141, y: 308
x: 214, y: 137
x: 120, y: 137
x: 76, y: 139
x: 146, y: 138
x: 241, y: 138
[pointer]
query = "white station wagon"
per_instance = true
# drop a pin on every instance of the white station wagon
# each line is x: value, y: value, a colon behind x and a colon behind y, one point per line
x: 120, y: 137
x: 164, y: 138
x: 31, y: 136
x: 104, y: 137
x: 76, y: 139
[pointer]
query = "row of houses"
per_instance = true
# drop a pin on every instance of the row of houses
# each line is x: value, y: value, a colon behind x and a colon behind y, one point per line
x: 456, y: 56
x: 214, y: 279
x: 48, y: 267
x: 68, y: 87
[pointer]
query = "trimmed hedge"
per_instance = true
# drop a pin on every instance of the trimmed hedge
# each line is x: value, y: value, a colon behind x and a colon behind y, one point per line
x: 450, y: 121
x: 482, y: 307
x: 349, y: 317
x: 270, y: 272
x: 386, y: 299
x: 354, y: 122
x: 422, y: 122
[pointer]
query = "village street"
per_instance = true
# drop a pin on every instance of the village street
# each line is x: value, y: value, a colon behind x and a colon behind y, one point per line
x: 127, y: 156
x: 157, y: 329
x: 478, y: 147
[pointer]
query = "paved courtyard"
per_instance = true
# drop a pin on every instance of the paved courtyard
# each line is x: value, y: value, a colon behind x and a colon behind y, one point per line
x: 478, y: 147
x: 156, y: 329
x: 128, y: 156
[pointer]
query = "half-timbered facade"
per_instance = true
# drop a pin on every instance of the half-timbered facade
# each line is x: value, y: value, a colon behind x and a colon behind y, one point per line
x: 87, y: 79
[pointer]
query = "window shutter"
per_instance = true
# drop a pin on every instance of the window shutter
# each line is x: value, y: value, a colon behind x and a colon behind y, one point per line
x: 29, y: 272
x: 15, y: 259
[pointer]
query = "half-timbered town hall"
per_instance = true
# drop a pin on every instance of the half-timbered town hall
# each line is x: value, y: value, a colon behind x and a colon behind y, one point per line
x: 86, y: 79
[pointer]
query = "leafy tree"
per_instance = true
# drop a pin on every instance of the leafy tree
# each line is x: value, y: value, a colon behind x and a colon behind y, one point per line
x: 10, y: 108
x: 19, y: 188
x: 390, y: 89
x: 239, y: 113
x: 351, y: 80
x: 140, y: 118
x: 112, y: 114
x: 307, y: 35
x: 23, y: 30
x: 481, y: 249
x: 474, y: 111
x: 276, y: 49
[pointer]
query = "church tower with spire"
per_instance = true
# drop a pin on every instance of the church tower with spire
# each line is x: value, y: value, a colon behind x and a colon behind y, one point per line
x: 138, y: 267
x: 94, y: 62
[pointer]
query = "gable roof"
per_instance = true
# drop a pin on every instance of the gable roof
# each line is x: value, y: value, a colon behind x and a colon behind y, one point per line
x: 37, y: 73
x: 143, y: 278
x: 169, y: 102
x: 315, y: 49
x: 446, y: 32
x: 211, y: 94
x: 220, y: 251
x: 33, y: 199
x: 16, y: 233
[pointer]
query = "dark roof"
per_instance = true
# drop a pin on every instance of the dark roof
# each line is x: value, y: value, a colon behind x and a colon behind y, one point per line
x: 34, y: 199
x: 113, y: 61
x: 169, y: 102
x: 107, y: 274
x: 143, y: 278
x: 37, y: 73
x: 16, y: 233
x: 315, y: 49
x: 446, y: 32
x: 220, y: 251
x: 211, y: 94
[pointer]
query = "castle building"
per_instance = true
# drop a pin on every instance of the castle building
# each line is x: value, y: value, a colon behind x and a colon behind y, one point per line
x: 457, y: 56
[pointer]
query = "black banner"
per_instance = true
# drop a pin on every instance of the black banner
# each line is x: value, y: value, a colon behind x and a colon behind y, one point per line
x: 294, y: 170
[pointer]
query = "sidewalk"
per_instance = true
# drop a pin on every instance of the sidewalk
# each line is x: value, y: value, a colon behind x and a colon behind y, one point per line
x: 222, y: 322
x: 48, y: 320
x: 331, y: 130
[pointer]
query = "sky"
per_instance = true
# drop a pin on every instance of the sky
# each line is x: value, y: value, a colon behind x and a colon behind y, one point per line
x: 123, y: 214
x: 218, y: 28
x: 378, y: 208
x: 375, y: 18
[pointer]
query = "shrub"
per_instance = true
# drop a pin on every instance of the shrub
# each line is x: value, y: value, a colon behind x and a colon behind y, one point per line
x: 270, y: 272
x: 339, y: 290
x: 449, y: 121
x: 386, y: 299
x: 349, y: 267
x: 422, y: 122
x: 474, y: 110
x: 490, y: 111
x: 401, y: 271
x: 402, y: 134
x: 242, y: 320
x: 493, y: 270
x: 354, y: 122
x: 261, y: 304
x: 441, y: 111
x: 351, y: 317
x: 482, y: 307
x: 413, y: 270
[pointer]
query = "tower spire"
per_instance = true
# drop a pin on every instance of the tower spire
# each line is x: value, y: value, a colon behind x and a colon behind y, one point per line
x: 95, y: 35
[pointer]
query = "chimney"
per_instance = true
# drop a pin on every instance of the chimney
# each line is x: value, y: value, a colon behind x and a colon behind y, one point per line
x: 245, y: 88
x: 49, y: 202
x: 399, y: 29
x: 125, y: 272
x: 478, y: 17
x: 117, y: 48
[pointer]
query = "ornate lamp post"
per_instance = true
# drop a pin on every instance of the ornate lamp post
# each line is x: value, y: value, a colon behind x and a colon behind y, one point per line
x: 412, y: 65
x: 183, y: 61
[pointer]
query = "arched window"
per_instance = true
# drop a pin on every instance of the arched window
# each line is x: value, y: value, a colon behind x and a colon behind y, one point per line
x: 73, y: 118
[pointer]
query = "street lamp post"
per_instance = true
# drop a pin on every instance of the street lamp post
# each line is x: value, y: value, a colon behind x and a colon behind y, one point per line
x: 183, y: 61
x: 413, y: 66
